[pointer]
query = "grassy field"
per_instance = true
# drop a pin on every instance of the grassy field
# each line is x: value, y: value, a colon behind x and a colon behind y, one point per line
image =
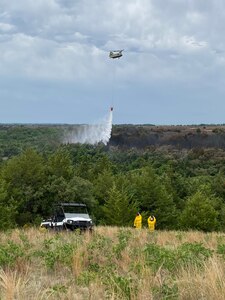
x: 112, y: 263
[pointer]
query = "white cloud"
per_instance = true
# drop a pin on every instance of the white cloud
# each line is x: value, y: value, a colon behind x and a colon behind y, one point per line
x: 5, y: 27
x: 69, y: 40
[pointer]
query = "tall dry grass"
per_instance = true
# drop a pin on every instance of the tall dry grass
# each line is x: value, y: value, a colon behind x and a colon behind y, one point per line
x: 111, y: 263
x: 208, y: 283
x: 12, y: 285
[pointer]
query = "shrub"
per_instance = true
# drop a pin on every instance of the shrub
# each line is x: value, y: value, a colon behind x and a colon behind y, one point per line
x: 199, y: 213
x: 192, y: 254
x: 172, y: 259
x: 9, y: 253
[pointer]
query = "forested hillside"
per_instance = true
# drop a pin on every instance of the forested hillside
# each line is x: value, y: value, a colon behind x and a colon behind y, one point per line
x: 14, y: 137
x: 141, y: 136
x: 176, y: 173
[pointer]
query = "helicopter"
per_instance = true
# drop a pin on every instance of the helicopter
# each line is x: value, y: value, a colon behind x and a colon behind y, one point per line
x: 115, y: 54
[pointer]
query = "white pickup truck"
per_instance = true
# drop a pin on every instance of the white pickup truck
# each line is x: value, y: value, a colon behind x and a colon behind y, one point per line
x: 69, y: 216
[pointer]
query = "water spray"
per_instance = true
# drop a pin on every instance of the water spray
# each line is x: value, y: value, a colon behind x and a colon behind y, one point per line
x: 91, y: 134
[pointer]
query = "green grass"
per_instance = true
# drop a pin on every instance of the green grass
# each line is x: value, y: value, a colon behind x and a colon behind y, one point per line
x: 111, y: 263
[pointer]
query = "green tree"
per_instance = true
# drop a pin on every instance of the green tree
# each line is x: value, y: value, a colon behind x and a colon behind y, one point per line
x: 119, y: 208
x: 60, y: 164
x: 175, y: 185
x: 218, y: 185
x: 60, y: 190
x: 23, y: 170
x: 199, y: 213
x: 24, y: 176
x: 7, y: 210
x: 153, y: 197
x: 81, y: 190
x: 102, y: 185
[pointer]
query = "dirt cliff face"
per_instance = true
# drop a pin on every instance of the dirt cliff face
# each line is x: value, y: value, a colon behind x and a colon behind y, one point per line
x: 182, y: 137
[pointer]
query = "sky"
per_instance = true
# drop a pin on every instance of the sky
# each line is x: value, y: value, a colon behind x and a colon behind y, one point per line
x: 55, y: 65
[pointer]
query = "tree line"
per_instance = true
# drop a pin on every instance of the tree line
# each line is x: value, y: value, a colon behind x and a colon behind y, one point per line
x: 183, y: 193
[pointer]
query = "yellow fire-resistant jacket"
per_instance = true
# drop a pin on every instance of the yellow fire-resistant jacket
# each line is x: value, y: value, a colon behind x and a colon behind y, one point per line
x: 151, y: 224
x: 138, y: 221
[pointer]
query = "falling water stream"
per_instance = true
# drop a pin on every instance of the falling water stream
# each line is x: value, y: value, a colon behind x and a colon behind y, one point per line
x: 91, y: 134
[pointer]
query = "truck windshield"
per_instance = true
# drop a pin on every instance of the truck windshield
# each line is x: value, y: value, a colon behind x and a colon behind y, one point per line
x: 75, y: 209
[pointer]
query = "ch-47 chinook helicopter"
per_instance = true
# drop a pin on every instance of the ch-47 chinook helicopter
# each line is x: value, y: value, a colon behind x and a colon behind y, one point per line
x: 115, y: 54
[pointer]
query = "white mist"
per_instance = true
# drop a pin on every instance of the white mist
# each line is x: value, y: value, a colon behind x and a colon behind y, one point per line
x: 91, y: 134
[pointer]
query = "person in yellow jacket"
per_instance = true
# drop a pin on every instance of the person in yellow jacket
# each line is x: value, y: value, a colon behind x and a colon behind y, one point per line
x: 138, y: 221
x: 151, y: 223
